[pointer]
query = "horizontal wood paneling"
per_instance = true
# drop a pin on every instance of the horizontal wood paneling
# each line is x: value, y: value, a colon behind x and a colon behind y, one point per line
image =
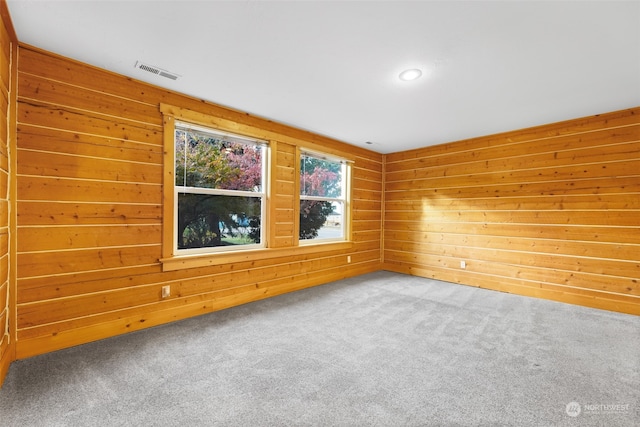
x: 37, y: 239
x: 32, y: 188
x: 40, y: 89
x: 74, y: 143
x: 48, y: 212
x: 551, y: 211
x: 37, y: 264
x: 89, y: 210
x: 102, y: 326
x: 5, y: 73
x: 81, y: 121
x: 8, y: 73
x: 284, y: 196
x: 548, y: 212
x: 544, y: 152
x: 43, y: 163
x: 620, y: 217
x: 426, y: 230
x: 530, y: 135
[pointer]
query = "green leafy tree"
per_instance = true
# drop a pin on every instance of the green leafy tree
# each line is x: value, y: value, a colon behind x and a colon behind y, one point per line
x: 203, y: 161
x: 313, y: 215
x: 318, y: 177
x: 206, y: 161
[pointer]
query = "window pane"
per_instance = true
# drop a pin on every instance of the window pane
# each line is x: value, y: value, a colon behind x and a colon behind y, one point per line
x: 217, y: 161
x: 211, y: 220
x: 320, y: 177
x: 321, y: 220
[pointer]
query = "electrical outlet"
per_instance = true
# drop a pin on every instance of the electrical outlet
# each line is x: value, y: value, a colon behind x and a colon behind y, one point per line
x: 166, y: 291
x: 463, y: 264
x: 348, y: 259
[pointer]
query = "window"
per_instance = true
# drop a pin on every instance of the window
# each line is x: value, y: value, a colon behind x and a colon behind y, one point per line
x: 216, y: 188
x: 323, y: 198
x: 220, y: 197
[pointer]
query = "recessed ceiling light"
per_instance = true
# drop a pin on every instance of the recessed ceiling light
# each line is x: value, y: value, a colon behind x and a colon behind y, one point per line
x: 412, y: 74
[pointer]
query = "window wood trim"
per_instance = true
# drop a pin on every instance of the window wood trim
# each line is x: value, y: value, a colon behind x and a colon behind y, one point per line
x: 227, y: 125
x: 296, y: 198
x: 172, y: 262
x: 171, y: 114
x: 246, y: 255
x: 168, y: 194
x: 348, y: 179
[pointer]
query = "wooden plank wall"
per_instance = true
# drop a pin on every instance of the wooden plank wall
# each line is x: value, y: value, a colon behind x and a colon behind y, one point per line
x: 551, y: 212
x: 8, y: 44
x: 90, y: 216
x: 284, y: 200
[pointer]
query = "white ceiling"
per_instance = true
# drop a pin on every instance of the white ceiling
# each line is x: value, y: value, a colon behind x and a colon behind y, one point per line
x: 331, y: 67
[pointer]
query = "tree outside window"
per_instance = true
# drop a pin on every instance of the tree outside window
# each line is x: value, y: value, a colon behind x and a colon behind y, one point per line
x: 322, y: 198
x: 220, y: 182
x: 219, y: 185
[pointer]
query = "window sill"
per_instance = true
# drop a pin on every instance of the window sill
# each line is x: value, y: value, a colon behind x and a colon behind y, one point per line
x: 204, y: 260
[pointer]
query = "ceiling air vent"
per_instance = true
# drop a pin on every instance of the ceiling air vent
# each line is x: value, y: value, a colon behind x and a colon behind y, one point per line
x: 156, y: 70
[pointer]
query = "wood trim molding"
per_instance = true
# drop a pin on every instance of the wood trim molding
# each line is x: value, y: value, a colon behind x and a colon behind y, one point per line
x: 200, y: 260
x: 8, y: 24
x: 251, y: 130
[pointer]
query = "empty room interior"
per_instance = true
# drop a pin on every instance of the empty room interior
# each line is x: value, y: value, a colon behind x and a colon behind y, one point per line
x: 319, y: 213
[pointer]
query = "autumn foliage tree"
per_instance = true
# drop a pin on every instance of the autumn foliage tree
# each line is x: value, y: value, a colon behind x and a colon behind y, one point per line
x: 203, y: 161
x: 317, y: 178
